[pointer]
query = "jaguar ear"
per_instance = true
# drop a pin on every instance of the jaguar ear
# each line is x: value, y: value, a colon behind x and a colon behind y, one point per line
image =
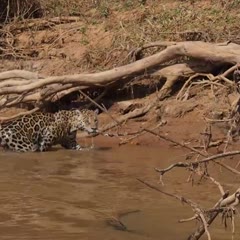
x: 96, y: 111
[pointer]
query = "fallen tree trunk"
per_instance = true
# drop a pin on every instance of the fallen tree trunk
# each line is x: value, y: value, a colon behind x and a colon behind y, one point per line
x: 23, y: 86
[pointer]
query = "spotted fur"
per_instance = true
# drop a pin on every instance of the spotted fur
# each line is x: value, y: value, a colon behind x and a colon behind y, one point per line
x: 39, y: 131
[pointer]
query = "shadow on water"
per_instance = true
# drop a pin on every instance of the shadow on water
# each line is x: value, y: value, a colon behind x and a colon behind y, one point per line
x: 72, y: 195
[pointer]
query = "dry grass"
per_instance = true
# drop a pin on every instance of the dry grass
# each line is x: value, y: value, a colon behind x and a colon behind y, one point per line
x: 132, y: 23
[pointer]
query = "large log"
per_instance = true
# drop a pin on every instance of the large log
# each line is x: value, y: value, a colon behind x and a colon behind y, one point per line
x: 209, y: 53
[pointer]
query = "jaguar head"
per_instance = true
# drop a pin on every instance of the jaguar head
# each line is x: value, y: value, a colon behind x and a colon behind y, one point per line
x: 85, y: 120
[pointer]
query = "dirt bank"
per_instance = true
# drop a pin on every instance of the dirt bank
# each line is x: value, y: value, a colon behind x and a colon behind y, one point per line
x: 97, y: 36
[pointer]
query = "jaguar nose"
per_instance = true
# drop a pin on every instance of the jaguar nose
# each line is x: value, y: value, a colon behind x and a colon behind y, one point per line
x: 94, y: 130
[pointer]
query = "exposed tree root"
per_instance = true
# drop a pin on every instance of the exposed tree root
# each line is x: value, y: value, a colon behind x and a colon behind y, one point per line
x: 175, y: 72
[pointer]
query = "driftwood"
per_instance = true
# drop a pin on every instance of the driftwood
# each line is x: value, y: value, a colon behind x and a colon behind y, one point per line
x: 226, y: 206
x: 20, y: 86
x: 217, y: 54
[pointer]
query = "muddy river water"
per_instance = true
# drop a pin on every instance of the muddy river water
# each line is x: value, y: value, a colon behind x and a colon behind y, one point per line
x: 70, y: 195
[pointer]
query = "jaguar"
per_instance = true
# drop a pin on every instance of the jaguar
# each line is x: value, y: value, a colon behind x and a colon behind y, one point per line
x: 40, y: 131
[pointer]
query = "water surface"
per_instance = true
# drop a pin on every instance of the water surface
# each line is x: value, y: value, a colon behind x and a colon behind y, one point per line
x: 70, y: 195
